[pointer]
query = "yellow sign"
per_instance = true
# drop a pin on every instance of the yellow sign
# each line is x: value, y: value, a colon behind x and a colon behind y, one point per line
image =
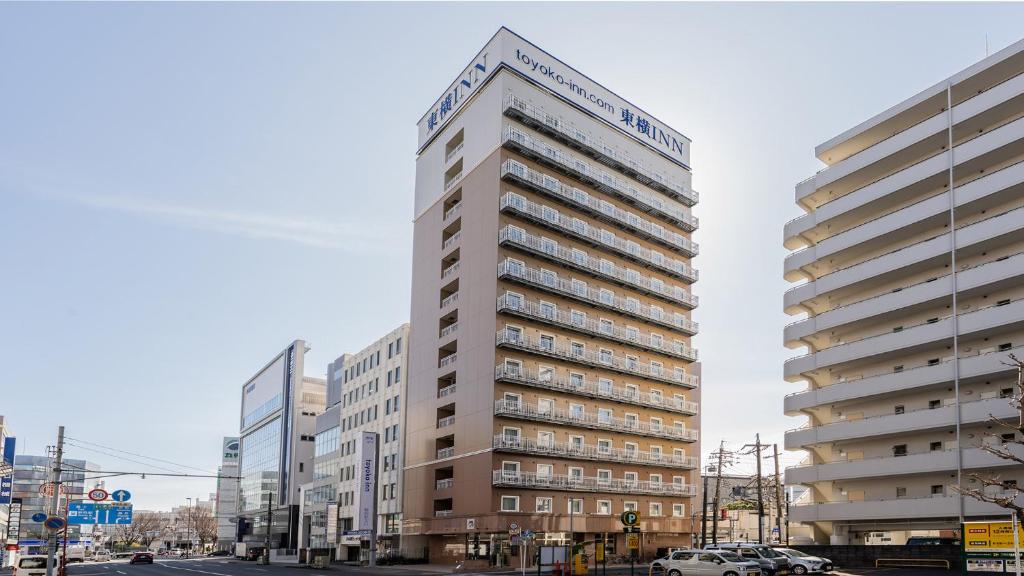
x: 990, y: 537
x: 633, y: 541
x: 579, y: 568
x: 599, y: 552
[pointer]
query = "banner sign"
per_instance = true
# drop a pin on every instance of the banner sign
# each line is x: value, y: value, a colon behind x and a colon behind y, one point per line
x: 14, y: 521
x: 367, y: 481
x: 7, y: 482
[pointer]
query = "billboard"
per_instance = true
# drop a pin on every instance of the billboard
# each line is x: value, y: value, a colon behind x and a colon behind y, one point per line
x: 367, y: 481
x: 990, y: 537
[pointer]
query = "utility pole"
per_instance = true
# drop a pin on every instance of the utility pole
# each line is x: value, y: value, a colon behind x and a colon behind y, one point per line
x: 51, y: 547
x: 270, y: 520
x: 760, y: 495
x: 718, y: 491
x: 778, y: 493
x: 188, y: 525
x: 704, y: 515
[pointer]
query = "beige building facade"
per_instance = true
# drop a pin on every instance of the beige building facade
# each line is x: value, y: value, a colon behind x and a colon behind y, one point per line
x: 909, y: 259
x: 553, y: 384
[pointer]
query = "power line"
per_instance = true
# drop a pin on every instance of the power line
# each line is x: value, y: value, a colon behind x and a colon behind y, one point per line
x: 121, y: 457
x: 140, y: 455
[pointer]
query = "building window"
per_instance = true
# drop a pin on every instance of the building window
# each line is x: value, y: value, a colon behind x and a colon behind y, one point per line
x: 604, y: 507
x: 575, y: 506
x: 938, y: 490
x: 933, y: 404
x: 655, y: 508
x: 935, y: 446
x: 544, y: 505
x: 630, y: 507
x: 899, y: 409
x: 901, y: 491
x: 510, y: 503
x: 899, y: 450
x: 678, y: 510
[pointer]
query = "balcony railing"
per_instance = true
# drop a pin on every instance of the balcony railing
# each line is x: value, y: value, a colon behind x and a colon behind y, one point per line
x: 447, y: 390
x: 598, y: 237
x: 549, y: 249
x: 449, y: 330
x: 442, y: 513
x: 515, y: 304
x: 514, y: 409
x: 446, y: 421
x: 445, y: 483
x: 452, y: 181
x: 446, y: 453
x: 553, y: 187
x: 588, y: 452
x: 451, y: 299
x: 509, y: 339
x: 560, y: 129
x: 550, y: 282
x: 592, y: 389
x: 592, y: 176
x: 451, y: 240
x: 449, y: 213
x: 451, y: 153
x: 450, y: 270
x: 449, y: 359
x: 589, y: 484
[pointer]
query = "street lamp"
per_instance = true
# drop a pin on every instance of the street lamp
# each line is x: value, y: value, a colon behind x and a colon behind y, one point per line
x: 188, y: 524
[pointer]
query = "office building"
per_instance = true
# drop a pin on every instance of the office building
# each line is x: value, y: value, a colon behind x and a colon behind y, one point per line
x: 365, y: 393
x: 279, y: 409
x: 30, y: 473
x: 227, y: 494
x: 910, y: 258
x: 550, y: 361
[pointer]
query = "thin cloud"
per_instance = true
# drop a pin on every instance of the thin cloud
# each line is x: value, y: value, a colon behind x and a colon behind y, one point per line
x: 345, y: 236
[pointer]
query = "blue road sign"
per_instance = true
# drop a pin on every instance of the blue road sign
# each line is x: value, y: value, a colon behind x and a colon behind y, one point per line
x: 99, y: 513
x: 7, y: 482
x: 54, y: 523
x: 39, y: 517
x: 121, y: 495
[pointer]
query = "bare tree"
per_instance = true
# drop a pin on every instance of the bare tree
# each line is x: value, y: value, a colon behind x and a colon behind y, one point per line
x: 148, y: 525
x: 204, y: 525
x: 1011, y: 450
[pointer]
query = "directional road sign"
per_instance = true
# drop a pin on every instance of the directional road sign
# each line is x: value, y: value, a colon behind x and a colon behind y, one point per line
x: 121, y: 495
x: 99, y: 513
x: 55, y: 523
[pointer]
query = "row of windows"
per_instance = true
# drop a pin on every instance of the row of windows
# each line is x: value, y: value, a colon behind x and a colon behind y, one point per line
x: 391, y: 405
x: 548, y: 406
x: 327, y: 441
x: 545, y: 505
x: 372, y: 360
x: 511, y: 468
x: 391, y: 434
x: 578, y: 380
x: 390, y: 462
x: 547, y: 438
x: 548, y: 342
x: 389, y: 491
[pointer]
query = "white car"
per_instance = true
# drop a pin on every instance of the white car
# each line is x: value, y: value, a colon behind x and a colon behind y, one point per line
x: 802, y: 563
x: 101, y: 556
x: 705, y: 563
x: 34, y: 565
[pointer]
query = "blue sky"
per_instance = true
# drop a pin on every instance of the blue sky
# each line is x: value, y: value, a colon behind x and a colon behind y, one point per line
x: 188, y: 187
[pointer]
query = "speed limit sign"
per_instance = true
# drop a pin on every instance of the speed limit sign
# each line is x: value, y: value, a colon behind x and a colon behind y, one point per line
x: 98, y: 494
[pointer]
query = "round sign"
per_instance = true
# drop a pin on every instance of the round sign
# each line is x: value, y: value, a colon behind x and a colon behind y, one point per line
x: 630, y: 518
x: 98, y: 494
x: 39, y: 517
x: 55, y: 523
x: 513, y: 527
x: 46, y: 489
x: 121, y: 495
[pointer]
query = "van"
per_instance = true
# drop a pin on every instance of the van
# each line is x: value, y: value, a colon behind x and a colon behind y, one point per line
x: 34, y: 565
x: 704, y: 563
x: 772, y: 563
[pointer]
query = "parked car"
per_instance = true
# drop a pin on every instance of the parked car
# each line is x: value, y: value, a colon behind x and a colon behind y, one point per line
x: 772, y: 563
x: 254, y: 553
x: 704, y: 563
x: 34, y: 565
x: 219, y: 553
x: 141, y: 558
x: 931, y: 541
x: 803, y: 563
x: 101, y: 556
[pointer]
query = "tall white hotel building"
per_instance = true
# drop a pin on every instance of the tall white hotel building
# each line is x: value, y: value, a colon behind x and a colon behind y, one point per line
x: 552, y: 380
x: 910, y: 260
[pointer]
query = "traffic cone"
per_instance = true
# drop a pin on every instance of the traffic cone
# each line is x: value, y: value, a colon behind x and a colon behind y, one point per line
x: 557, y: 570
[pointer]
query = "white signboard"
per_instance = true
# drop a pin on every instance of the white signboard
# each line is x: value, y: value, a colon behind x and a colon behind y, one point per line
x: 367, y: 481
x: 332, y: 523
x: 507, y: 49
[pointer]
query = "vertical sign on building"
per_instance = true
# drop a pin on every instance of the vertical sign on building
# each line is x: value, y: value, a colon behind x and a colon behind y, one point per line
x: 14, y: 521
x: 368, y: 489
x: 7, y: 482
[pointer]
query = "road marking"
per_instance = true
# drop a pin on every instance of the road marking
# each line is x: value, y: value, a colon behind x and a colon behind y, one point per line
x: 119, y: 572
x: 194, y: 570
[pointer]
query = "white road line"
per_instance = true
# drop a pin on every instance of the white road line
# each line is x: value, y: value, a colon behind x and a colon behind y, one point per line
x: 119, y: 572
x: 194, y: 570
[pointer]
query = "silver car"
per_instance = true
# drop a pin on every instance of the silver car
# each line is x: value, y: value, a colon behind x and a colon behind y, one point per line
x: 802, y: 563
x: 704, y: 563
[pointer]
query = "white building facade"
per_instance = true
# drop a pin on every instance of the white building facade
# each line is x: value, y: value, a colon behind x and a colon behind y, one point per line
x: 910, y: 259
x: 227, y: 494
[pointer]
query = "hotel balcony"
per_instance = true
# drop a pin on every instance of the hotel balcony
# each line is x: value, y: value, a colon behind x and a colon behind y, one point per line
x: 551, y: 187
x: 572, y: 451
x: 1001, y: 271
x: 592, y: 389
x: 521, y: 410
x: 446, y: 391
x: 899, y: 508
x: 452, y: 212
x: 930, y: 333
x: 977, y: 411
x: 599, y: 238
x: 983, y: 365
x: 611, y: 362
x: 584, y: 142
x: 518, y: 306
x: 449, y: 301
x: 922, y: 463
x: 574, y: 167
x: 596, y: 267
x: 444, y: 484
x: 446, y: 453
x: 1003, y: 228
x: 451, y: 241
x: 550, y: 282
x: 562, y: 482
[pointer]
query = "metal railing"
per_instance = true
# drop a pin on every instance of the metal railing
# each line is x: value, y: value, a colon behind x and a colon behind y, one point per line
x: 442, y: 513
x: 447, y: 390
x: 594, y: 421
x: 451, y: 240
x: 450, y: 299
x: 589, y: 484
x: 451, y: 153
x: 452, y: 211
x: 598, y: 237
x: 551, y: 186
x: 550, y: 281
x: 450, y: 270
x: 449, y: 329
x: 580, y: 260
x: 516, y: 304
x: 444, y: 483
x: 648, y: 176
x: 604, y: 181
x: 449, y: 359
x: 446, y: 421
x: 807, y: 425
x: 589, y: 452
x: 592, y: 389
x: 453, y: 181
x: 446, y: 453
